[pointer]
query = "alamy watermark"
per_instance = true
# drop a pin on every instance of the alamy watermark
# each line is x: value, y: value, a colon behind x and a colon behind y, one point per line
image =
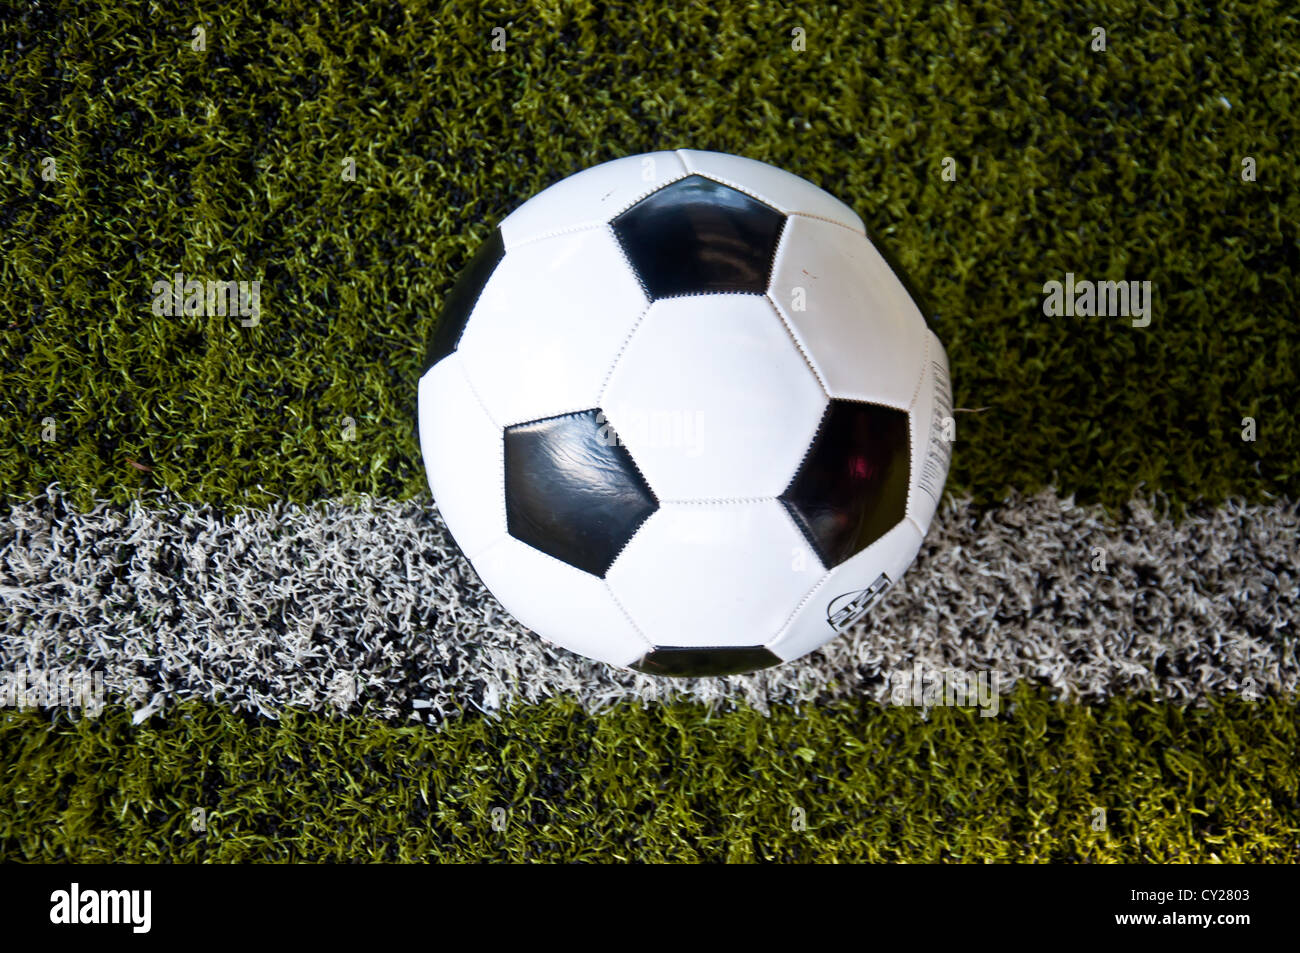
x: 74, y: 906
x: 661, y: 429
x: 190, y: 296
x: 1103, y: 299
x: 39, y: 688
x: 932, y: 688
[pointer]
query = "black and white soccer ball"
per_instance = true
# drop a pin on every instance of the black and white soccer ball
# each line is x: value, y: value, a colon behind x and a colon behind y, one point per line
x: 681, y: 415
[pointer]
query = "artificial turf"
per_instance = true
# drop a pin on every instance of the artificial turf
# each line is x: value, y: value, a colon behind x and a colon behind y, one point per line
x: 663, y: 783
x: 227, y: 164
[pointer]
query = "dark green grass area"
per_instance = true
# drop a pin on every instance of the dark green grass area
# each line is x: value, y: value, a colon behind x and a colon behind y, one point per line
x: 227, y: 164
x: 666, y: 783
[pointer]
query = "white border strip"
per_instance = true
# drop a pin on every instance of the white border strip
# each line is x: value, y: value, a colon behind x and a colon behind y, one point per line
x: 369, y: 607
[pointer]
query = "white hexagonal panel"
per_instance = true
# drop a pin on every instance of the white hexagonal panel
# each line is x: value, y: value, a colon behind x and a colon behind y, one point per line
x: 590, y: 197
x: 709, y: 575
x: 562, y: 604
x: 851, y: 314
x: 778, y: 188
x: 548, y: 325
x: 847, y: 594
x: 463, y: 451
x: 713, y: 400
x: 931, y: 446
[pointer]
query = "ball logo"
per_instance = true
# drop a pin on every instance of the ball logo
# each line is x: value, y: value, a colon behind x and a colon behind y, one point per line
x: 846, y: 609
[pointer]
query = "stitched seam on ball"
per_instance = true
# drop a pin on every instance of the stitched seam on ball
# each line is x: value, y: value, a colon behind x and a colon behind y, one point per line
x: 821, y: 425
x: 644, y: 482
x: 773, y: 205
x: 776, y: 250
x: 907, y: 507
x: 607, y: 222
x: 480, y: 554
x: 537, y: 420
x: 806, y: 532
x: 501, y: 443
x: 861, y: 233
x: 632, y: 535
x: 872, y: 403
x: 464, y: 372
x: 797, y: 522
x: 789, y: 507
x: 575, y: 412
x: 609, y: 374
x: 649, y: 192
x: 925, y: 366
x: 501, y: 469
x: 712, y: 294
x: 570, y: 230
x: 721, y: 501
x: 738, y: 187
x: 826, y: 576
x: 911, y: 412
x: 627, y: 615
x: 789, y: 330
x: 552, y: 558
x: 627, y: 260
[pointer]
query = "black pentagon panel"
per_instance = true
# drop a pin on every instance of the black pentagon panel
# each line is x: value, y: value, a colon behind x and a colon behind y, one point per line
x: 702, y: 663
x: 462, y: 298
x: 697, y: 236
x: 851, y: 488
x: 573, y: 491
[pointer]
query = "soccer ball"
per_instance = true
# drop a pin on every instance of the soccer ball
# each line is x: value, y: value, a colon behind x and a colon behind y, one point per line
x: 682, y: 416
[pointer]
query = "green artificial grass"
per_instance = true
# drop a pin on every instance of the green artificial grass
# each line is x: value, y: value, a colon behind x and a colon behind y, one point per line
x: 227, y: 164
x: 665, y: 783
